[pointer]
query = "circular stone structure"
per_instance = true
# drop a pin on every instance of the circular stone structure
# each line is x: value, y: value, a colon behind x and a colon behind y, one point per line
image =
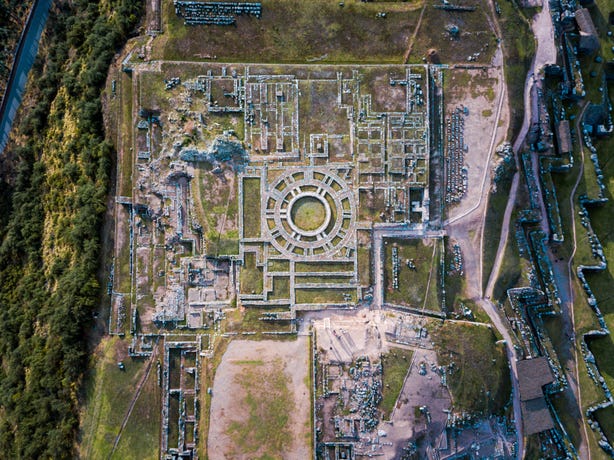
x: 310, y: 213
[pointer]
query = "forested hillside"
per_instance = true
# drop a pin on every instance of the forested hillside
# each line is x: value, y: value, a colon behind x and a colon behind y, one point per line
x: 52, y: 199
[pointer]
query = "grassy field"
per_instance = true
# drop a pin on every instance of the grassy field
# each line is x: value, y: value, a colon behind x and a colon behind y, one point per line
x: 251, y: 275
x: 291, y: 31
x: 125, y: 140
x: 480, y: 381
x: 419, y: 287
x: 324, y: 267
x: 320, y: 295
x: 364, y: 266
x: 268, y: 397
x: 251, y: 207
x: 497, y: 201
x: 518, y: 50
x: 107, y: 400
x: 395, y: 366
x: 601, y: 283
x: 475, y: 34
x: 141, y: 437
x: 281, y: 288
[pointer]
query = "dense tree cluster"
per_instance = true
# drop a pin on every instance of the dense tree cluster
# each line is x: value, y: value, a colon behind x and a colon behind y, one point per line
x: 51, y: 208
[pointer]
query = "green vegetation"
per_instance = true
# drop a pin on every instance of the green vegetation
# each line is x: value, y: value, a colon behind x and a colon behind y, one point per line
x: 324, y: 266
x: 278, y: 266
x: 364, y: 266
x: 281, y: 288
x: 291, y: 31
x: 109, y: 394
x: 268, y: 397
x: 510, y: 272
x: 321, y: 295
x: 248, y: 320
x: 418, y: 287
x: 476, y: 35
x: 518, y: 51
x: 50, y: 230
x: 251, y: 207
x: 479, y: 380
x: 395, y: 365
x: 308, y: 213
x: 493, y: 223
x: 251, y: 275
x: 216, y: 205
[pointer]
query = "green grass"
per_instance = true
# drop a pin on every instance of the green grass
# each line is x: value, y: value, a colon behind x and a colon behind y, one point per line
x: 493, y: 223
x: 268, y: 399
x: 308, y: 213
x: 364, y: 266
x: 251, y: 207
x: 278, y: 265
x: 291, y: 31
x: 141, y: 437
x: 475, y: 33
x: 248, y: 320
x: 510, y: 273
x: 281, y: 288
x: 108, y: 396
x: 308, y: 296
x: 415, y: 290
x: 324, y: 267
x: 480, y: 380
x: 518, y: 49
x: 395, y: 365
x: 251, y: 277
x: 127, y: 127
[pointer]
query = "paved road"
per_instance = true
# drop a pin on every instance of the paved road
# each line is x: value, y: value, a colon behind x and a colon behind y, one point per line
x: 24, y: 58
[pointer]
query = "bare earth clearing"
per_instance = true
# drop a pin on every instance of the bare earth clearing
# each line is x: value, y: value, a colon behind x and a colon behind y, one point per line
x: 230, y: 407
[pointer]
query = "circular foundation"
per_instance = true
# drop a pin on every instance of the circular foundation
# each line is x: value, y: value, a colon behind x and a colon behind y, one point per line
x: 309, y: 214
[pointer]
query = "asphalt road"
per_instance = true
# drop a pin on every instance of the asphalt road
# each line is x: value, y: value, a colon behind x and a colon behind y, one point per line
x: 24, y: 58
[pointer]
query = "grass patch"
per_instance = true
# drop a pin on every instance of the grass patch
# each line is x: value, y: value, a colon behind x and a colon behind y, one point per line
x: 291, y: 31
x: 364, y: 266
x: 476, y: 34
x: 267, y: 395
x: 518, y: 51
x: 510, y: 272
x: 395, y: 365
x: 418, y: 287
x: 251, y: 207
x: 125, y: 142
x: 252, y: 276
x: 308, y: 296
x: 304, y: 267
x: 281, y: 288
x: 106, y: 403
x: 493, y: 223
x: 279, y: 265
x: 479, y: 381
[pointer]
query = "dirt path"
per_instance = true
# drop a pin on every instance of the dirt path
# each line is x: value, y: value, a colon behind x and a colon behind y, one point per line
x: 413, y: 37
